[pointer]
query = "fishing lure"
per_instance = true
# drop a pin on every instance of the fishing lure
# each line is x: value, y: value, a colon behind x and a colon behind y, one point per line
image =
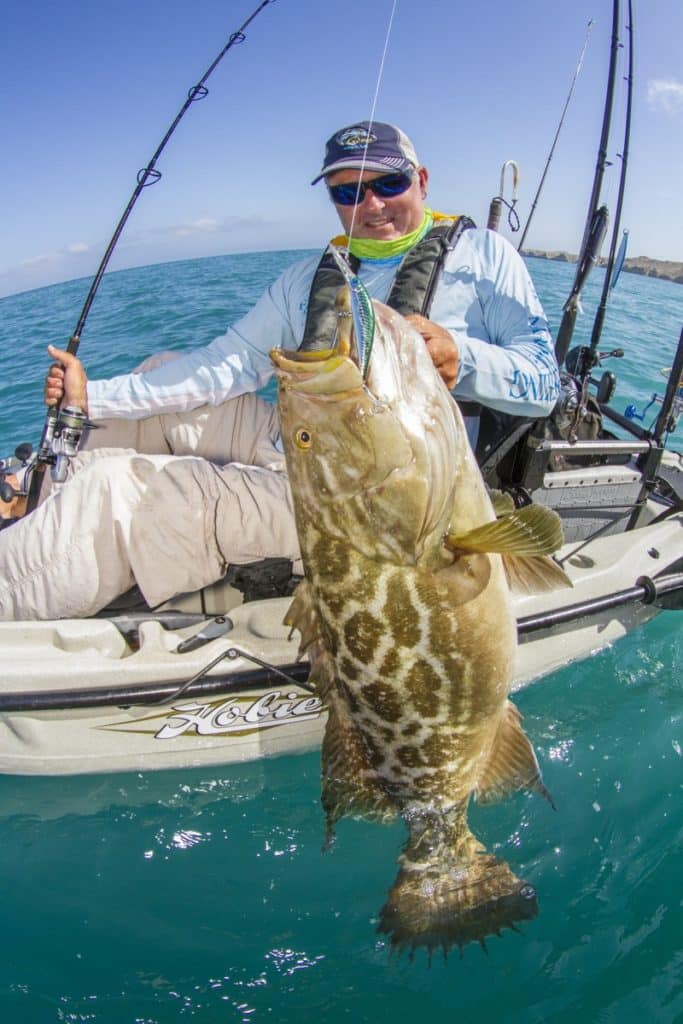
x: 362, y: 311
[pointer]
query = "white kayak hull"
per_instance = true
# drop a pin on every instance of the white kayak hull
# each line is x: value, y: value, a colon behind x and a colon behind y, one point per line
x: 72, y: 689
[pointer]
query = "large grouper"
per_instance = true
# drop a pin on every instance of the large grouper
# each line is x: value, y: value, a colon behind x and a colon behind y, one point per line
x: 405, y: 614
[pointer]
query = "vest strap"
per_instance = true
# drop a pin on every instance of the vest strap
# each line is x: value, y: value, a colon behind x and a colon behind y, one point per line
x: 415, y: 283
x: 321, y: 318
x: 411, y: 292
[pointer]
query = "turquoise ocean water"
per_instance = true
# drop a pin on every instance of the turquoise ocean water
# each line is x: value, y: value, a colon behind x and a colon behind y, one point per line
x: 204, y: 895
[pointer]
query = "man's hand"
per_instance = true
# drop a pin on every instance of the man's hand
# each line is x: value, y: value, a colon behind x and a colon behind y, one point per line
x: 440, y: 346
x: 66, y: 380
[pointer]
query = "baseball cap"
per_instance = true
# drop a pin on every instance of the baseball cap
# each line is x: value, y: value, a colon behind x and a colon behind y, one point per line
x: 370, y: 145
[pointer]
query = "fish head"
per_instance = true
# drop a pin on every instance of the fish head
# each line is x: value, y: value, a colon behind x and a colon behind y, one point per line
x: 370, y: 439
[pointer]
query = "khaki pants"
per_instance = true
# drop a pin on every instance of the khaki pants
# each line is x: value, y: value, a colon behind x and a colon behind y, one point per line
x: 166, y: 502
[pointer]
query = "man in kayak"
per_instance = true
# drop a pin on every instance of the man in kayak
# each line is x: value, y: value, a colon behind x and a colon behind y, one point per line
x: 186, y: 473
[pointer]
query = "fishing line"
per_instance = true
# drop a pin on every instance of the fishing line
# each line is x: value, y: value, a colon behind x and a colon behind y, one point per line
x: 557, y: 135
x: 372, y: 116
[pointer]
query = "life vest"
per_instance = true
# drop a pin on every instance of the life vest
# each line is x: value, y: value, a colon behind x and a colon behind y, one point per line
x: 411, y: 292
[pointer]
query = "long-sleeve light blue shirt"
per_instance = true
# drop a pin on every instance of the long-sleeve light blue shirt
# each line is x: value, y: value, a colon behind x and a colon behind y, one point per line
x: 485, y: 298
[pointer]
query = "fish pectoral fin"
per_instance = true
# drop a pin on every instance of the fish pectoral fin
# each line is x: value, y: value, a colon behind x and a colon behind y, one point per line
x: 502, y: 502
x: 512, y: 763
x: 533, y: 530
x: 534, y: 574
x: 302, y: 615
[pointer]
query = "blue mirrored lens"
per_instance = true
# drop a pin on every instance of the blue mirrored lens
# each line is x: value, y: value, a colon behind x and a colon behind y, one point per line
x: 386, y: 187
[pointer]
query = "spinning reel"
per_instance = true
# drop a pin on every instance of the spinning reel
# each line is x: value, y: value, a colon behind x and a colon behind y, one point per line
x: 572, y: 405
x: 63, y: 446
x: 631, y: 411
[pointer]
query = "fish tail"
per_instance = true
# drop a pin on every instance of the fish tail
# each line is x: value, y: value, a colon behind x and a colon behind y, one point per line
x: 451, y: 895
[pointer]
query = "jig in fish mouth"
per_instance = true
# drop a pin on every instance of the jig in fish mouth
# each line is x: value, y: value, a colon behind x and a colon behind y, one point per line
x: 302, y: 364
x: 355, y: 329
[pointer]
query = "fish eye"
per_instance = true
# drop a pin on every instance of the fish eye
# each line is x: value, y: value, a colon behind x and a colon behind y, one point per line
x: 303, y: 438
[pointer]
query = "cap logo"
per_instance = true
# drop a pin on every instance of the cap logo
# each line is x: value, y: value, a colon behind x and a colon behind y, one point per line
x: 354, y: 138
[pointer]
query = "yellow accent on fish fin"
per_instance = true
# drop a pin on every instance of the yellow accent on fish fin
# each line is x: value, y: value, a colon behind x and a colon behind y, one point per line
x: 534, y: 574
x: 302, y: 615
x: 534, y: 530
x: 512, y: 763
x: 502, y: 502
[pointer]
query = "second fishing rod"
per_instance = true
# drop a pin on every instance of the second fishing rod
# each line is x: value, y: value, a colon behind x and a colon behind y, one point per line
x: 63, y: 427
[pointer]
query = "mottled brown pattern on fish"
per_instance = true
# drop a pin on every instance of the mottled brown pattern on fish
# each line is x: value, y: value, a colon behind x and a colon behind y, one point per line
x: 336, y: 602
x: 423, y: 684
x: 442, y: 627
x: 399, y: 612
x: 349, y: 670
x: 391, y: 664
x: 384, y: 699
x: 362, y: 633
x: 410, y: 756
x: 375, y: 750
x: 332, y: 557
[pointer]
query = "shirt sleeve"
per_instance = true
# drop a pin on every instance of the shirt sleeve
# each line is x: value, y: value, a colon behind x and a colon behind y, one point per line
x: 507, y: 357
x: 232, y: 364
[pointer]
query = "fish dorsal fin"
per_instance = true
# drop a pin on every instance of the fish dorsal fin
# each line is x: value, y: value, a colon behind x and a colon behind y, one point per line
x: 512, y: 763
x: 534, y: 530
x: 301, y: 615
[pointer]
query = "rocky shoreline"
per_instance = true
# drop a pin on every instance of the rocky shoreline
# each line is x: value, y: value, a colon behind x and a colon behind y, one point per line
x: 668, y: 270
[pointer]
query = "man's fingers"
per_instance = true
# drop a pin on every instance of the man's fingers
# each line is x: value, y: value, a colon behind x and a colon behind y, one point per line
x: 54, y: 380
x: 61, y: 355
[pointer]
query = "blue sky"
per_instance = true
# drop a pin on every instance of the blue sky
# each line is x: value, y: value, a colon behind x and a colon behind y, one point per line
x: 90, y: 89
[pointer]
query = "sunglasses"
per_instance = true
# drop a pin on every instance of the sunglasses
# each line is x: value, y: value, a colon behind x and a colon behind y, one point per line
x: 353, y: 192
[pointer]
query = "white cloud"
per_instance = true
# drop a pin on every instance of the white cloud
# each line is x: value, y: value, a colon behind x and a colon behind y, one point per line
x: 202, y: 226
x: 40, y: 261
x: 665, y: 94
x: 77, y: 247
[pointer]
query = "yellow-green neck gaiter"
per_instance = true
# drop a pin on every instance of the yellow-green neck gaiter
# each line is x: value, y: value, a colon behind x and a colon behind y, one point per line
x: 372, y: 249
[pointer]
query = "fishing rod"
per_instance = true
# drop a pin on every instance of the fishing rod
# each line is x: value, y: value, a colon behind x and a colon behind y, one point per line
x: 592, y: 238
x: 557, y: 135
x: 610, y: 279
x: 63, y: 428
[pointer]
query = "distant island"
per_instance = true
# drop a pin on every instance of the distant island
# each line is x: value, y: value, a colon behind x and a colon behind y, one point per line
x: 669, y: 270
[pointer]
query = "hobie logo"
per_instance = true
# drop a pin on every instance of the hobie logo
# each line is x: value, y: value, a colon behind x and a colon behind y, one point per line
x: 355, y: 138
x: 240, y: 714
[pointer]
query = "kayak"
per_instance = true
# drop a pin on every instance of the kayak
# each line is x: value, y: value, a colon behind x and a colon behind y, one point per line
x: 214, y: 677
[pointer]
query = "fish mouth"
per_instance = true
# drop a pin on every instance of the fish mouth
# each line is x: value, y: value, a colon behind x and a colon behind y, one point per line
x: 325, y: 374
x: 297, y: 362
x: 303, y: 363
